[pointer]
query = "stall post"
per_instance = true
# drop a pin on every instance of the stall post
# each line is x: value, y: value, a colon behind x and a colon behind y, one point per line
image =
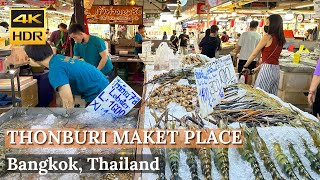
x: 79, y: 11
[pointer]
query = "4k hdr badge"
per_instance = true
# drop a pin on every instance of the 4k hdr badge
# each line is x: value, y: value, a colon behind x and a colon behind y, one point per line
x: 27, y: 26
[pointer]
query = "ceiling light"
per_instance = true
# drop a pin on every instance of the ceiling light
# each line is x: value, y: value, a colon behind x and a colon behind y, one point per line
x: 306, y: 4
x: 289, y: 15
x: 172, y: 5
x: 64, y: 4
x: 225, y: 15
x: 177, y: 13
x: 132, y: 2
x: 226, y: 4
x: 234, y: 13
x: 312, y: 20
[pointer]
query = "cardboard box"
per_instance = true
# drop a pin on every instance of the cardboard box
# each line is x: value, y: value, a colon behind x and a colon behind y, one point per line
x: 295, y: 98
x: 294, y: 82
x: 29, y: 94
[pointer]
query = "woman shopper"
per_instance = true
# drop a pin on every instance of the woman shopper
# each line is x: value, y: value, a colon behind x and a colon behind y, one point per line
x: 314, y: 91
x: 271, y: 46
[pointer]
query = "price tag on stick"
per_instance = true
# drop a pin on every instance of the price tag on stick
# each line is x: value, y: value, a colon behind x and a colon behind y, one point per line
x: 117, y: 99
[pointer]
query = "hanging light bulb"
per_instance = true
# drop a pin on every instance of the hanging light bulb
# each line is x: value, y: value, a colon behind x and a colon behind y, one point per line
x: 289, y: 16
x: 234, y: 13
x: 312, y: 20
x: 132, y: 2
x: 177, y: 12
x: 225, y: 15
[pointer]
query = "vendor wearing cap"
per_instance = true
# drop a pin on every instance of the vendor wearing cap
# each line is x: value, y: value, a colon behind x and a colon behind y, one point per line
x: 92, y: 49
x: 69, y: 76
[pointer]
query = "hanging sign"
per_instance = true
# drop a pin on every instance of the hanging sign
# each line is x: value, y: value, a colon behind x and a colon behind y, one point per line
x: 300, y: 18
x: 117, y: 99
x: 127, y: 15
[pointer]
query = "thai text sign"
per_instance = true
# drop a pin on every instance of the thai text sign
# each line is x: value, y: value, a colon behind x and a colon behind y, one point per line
x: 129, y: 15
x: 117, y: 99
x: 209, y: 88
x: 211, y: 79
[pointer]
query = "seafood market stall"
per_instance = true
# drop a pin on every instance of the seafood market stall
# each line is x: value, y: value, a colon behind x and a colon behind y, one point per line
x: 281, y: 141
x: 78, y: 118
x: 295, y: 78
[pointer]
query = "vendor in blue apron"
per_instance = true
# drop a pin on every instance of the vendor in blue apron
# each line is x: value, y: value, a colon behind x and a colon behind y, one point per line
x: 138, y: 40
x: 69, y: 76
x: 92, y: 49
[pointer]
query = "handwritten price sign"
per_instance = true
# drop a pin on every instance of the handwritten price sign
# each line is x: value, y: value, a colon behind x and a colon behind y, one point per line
x: 209, y: 88
x: 226, y: 71
x: 117, y: 99
x: 211, y: 79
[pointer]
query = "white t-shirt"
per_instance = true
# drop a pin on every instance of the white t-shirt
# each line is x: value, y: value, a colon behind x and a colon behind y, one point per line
x: 248, y: 42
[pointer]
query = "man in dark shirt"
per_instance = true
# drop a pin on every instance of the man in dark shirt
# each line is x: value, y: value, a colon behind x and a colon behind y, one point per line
x: 184, y: 38
x: 59, y: 39
x: 174, y: 41
x: 210, y: 44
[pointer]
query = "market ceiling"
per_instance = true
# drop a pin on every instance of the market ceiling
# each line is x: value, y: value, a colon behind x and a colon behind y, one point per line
x: 241, y: 6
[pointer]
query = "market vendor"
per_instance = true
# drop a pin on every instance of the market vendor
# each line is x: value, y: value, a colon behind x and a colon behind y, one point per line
x: 69, y: 76
x: 92, y: 49
x: 138, y: 40
x: 314, y: 94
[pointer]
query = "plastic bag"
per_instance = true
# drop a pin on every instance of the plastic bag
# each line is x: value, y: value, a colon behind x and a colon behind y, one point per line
x: 163, y: 55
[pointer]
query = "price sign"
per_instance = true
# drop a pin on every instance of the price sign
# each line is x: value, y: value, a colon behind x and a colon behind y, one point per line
x: 227, y: 73
x: 117, y: 99
x: 211, y: 79
x: 210, y: 91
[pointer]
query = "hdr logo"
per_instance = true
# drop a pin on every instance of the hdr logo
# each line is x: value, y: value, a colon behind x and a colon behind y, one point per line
x: 27, y: 26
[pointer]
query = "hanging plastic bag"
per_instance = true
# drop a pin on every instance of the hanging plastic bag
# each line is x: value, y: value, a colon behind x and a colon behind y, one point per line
x: 163, y: 55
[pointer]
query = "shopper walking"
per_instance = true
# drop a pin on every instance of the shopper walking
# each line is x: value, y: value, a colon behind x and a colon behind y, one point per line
x: 174, y: 41
x: 247, y: 43
x: 210, y: 44
x: 271, y: 46
x: 92, y: 49
x: 59, y: 39
x: 164, y: 37
x: 184, y: 38
x: 314, y: 91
